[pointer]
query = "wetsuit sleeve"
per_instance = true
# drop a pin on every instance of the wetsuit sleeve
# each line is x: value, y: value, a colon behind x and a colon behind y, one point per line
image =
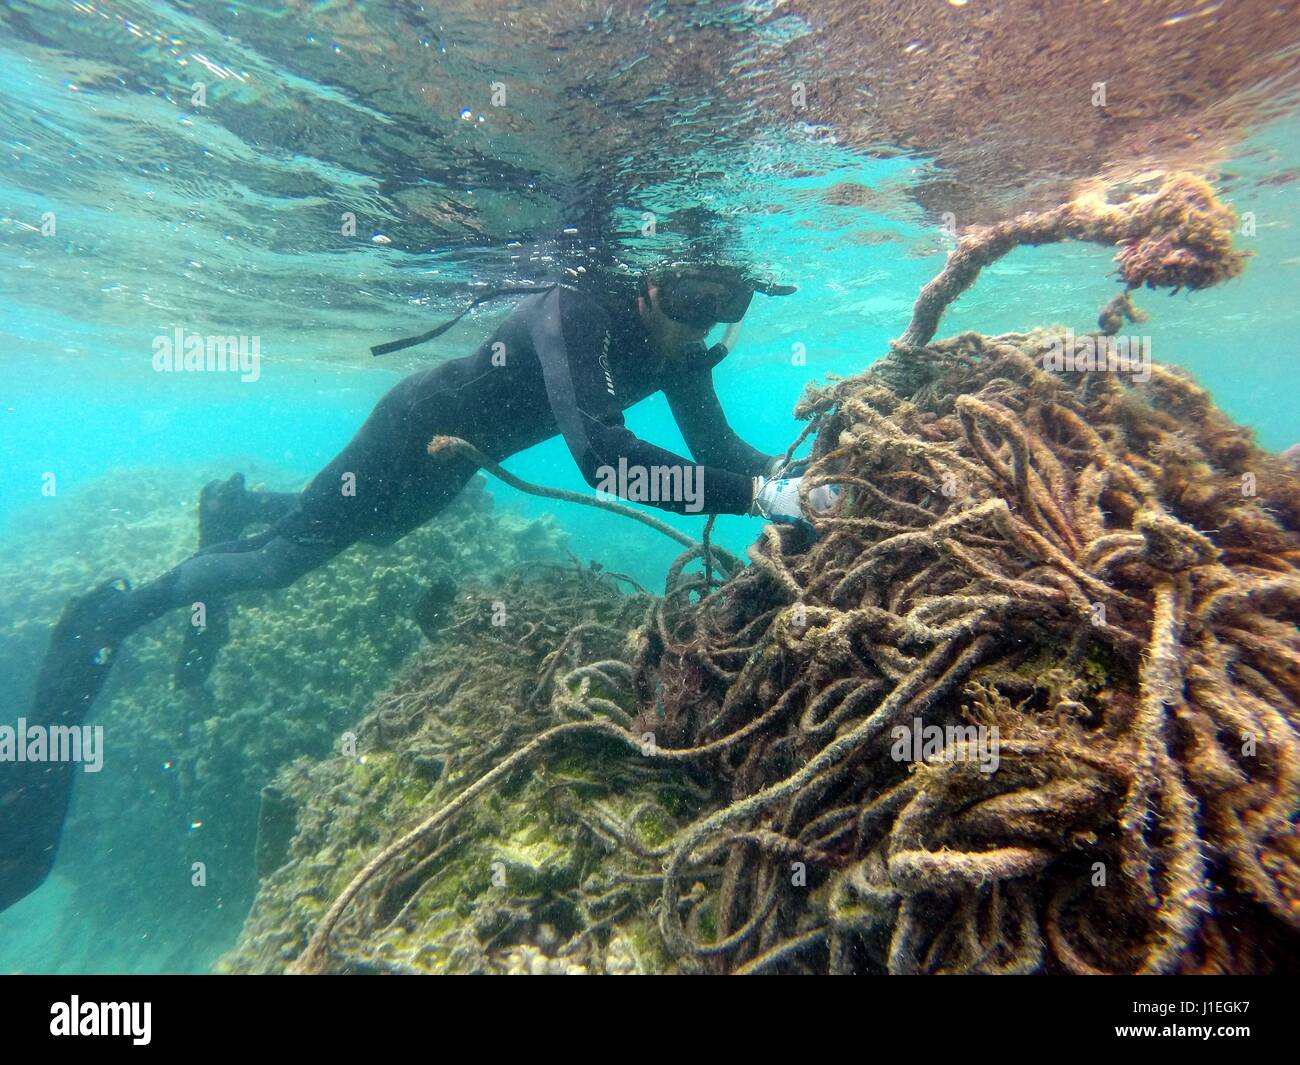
x: 694, y: 403
x: 570, y: 334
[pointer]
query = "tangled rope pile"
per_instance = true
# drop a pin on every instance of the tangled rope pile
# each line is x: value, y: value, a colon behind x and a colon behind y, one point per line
x: 1086, y: 587
x: 1102, y: 575
x: 1067, y: 559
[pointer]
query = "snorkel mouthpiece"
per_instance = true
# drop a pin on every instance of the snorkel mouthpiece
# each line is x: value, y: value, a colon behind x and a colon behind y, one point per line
x: 699, y: 350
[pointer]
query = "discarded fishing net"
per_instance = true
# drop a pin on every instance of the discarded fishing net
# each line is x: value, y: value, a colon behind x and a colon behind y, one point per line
x: 1103, y: 572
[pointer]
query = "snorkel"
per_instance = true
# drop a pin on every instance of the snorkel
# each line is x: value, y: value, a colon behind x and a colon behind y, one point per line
x: 730, y: 337
x: 692, y: 350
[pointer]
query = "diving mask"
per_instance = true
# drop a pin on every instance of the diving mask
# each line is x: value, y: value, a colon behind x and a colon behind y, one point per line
x: 698, y: 295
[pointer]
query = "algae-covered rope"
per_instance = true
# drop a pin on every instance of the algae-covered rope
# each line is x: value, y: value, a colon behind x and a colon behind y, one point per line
x: 1179, y: 236
x: 441, y: 444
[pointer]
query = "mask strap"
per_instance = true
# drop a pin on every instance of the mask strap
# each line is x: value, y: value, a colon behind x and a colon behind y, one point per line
x: 437, y: 331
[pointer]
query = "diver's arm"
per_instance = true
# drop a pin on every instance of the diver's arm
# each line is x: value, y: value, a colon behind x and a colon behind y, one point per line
x: 568, y: 333
x: 694, y: 403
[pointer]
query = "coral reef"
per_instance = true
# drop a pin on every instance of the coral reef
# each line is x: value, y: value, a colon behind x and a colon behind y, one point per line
x: 184, y: 768
x: 527, y: 878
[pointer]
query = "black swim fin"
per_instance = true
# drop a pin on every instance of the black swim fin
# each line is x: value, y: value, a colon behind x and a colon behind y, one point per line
x: 223, y: 510
x: 227, y: 508
x: 34, y: 795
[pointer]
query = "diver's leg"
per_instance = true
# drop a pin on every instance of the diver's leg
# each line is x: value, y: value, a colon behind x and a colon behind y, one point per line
x: 34, y: 794
x: 226, y: 509
x: 259, y: 563
x: 382, y: 485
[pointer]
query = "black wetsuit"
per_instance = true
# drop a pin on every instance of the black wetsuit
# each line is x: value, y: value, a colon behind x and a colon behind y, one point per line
x: 561, y: 363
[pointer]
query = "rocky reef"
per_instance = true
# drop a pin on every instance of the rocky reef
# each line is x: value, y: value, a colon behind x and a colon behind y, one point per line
x: 524, y: 880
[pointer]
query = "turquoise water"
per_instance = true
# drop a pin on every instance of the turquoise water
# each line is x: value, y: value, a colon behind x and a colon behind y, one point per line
x: 225, y: 219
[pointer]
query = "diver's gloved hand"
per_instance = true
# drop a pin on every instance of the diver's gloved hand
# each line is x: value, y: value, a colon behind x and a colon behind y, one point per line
x: 777, y: 499
x: 777, y: 467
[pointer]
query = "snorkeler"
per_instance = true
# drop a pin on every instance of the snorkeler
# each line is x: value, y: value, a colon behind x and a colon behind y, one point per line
x: 565, y: 361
